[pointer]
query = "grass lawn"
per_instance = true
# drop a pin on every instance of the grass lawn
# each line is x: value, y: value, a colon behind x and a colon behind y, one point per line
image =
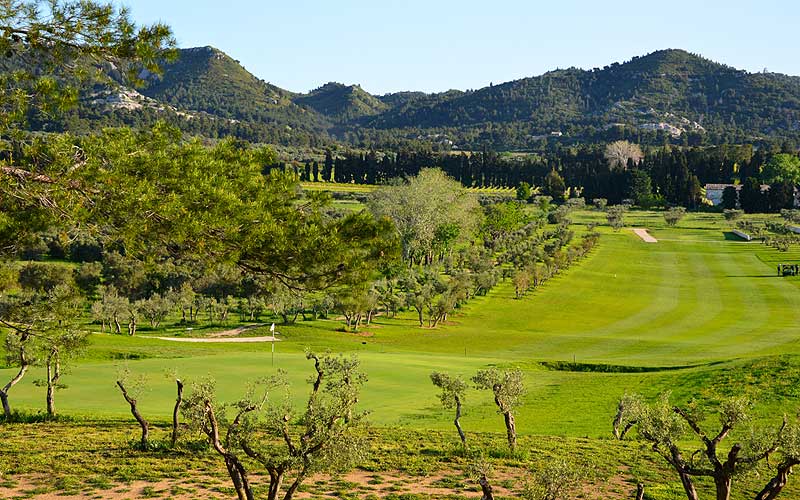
x: 693, y: 298
x: 698, y: 313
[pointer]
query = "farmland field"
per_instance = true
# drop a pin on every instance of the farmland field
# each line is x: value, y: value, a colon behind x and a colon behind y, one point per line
x: 698, y: 313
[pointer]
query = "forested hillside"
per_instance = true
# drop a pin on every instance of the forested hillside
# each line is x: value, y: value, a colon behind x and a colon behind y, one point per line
x: 669, y: 96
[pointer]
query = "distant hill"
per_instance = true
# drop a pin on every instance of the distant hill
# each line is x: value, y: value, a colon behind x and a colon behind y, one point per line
x: 208, y: 80
x: 342, y: 103
x: 672, y: 91
x: 669, y: 95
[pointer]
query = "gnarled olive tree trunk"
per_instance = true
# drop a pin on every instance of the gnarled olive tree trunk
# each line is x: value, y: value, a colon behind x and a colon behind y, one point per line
x: 24, y: 363
x: 53, y: 375
x: 511, y: 430
x: 175, y: 411
x: 135, y: 412
x: 457, y: 422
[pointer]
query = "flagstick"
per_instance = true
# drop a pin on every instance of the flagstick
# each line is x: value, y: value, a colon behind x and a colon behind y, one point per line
x: 272, y: 331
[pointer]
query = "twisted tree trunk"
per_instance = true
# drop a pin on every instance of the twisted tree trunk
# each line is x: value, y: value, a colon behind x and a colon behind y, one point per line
x: 236, y: 470
x: 511, y: 430
x: 175, y: 411
x: 458, y: 423
x: 486, y: 488
x: 53, y: 374
x: 138, y: 416
x: 777, y: 483
x: 23, y: 369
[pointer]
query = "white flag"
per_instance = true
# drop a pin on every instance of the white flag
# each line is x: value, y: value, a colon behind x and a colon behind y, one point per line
x: 272, y: 328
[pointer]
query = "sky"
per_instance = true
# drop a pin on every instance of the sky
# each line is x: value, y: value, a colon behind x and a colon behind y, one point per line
x: 437, y: 45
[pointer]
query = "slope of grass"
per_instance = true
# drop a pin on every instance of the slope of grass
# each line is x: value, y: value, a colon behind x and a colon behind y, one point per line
x: 694, y: 298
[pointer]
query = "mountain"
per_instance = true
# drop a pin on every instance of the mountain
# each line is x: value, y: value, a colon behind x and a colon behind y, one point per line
x: 666, y: 96
x: 206, y: 79
x: 671, y: 90
x: 342, y: 103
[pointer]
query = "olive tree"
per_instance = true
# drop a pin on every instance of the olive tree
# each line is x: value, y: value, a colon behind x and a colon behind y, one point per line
x: 508, y: 388
x: 555, y: 480
x: 41, y: 329
x: 327, y: 437
x: 732, y: 214
x: 667, y: 427
x: 61, y: 340
x: 674, y: 215
x: 452, y: 396
x: 615, y: 215
x: 132, y: 388
x: 629, y: 411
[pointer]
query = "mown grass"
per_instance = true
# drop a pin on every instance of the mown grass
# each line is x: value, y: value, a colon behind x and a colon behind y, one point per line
x: 697, y: 314
x: 692, y: 299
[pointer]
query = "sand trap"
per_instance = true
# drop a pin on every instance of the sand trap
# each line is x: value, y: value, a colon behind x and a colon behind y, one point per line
x: 242, y: 340
x: 644, y: 235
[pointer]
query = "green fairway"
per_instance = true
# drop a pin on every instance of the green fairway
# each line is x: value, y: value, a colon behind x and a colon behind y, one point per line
x: 695, y: 299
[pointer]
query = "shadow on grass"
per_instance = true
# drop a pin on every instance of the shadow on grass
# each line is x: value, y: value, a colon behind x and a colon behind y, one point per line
x: 566, y: 366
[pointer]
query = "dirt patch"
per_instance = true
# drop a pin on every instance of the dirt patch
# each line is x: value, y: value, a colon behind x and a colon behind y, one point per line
x: 644, y: 235
x: 220, y: 340
x: 236, y: 331
x: 174, y: 489
x: 506, y: 482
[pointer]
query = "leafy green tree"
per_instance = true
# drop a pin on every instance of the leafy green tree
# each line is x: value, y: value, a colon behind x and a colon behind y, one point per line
x: 730, y: 198
x: 781, y: 196
x: 327, y: 438
x: 508, y: 388
x: 421, y: 207
x: 782, y: 168
x: 616, y: 217
x: 88, y: 277
x: 641, y: 188
x: 156, y: 308
x: 41, y: 329
x: 629, y: 411
x: 524, y: 191
x: 452, y: 396
x: 674, y: 215
x: 62, y: 340
x: 554, y: 186
x: 48, y: 48
x: 43, y: 277
x: 504, y: 218
x: 732, y: 215
x: 555, y: 480
x: 668, y: 427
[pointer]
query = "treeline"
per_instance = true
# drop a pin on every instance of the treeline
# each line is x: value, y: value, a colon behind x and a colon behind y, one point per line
x: 671, y: 175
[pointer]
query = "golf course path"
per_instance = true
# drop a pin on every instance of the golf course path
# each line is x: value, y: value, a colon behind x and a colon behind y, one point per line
x: 240, y: 340
x: 644, y: 235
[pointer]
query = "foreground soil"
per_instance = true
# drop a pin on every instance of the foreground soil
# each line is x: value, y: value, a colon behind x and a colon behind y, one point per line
x: 77, y: 460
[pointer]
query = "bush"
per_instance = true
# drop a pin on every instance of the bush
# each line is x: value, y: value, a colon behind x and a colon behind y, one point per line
x: 41, y: 277
x: 732, y: 215
x: 674, y: 215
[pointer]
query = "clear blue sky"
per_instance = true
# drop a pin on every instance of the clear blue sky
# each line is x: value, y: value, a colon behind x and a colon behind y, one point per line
x: 435, y: 45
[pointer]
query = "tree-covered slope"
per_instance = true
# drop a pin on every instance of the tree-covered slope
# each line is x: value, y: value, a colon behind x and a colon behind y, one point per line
x: 669, y: 95
x: 671, y: 90
x: 208, y: 80
x: 342, y: 103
